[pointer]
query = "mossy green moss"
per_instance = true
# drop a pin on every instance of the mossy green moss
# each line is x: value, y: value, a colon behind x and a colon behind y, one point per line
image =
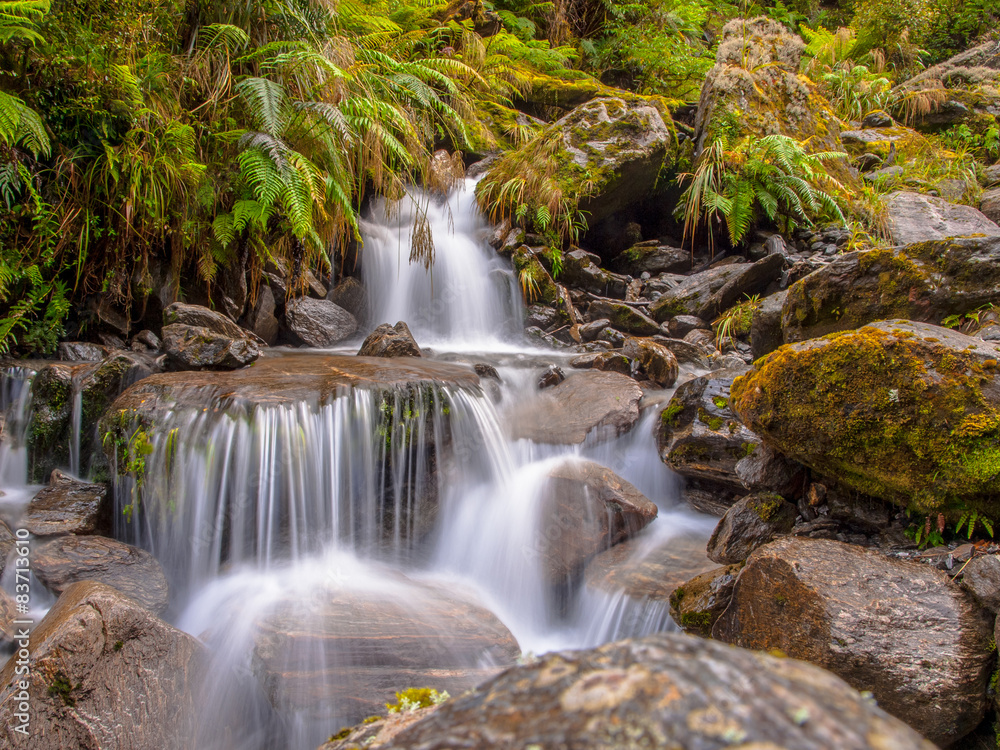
x: 670, y: 416
x: 886, y: 412
x: 766, y: 505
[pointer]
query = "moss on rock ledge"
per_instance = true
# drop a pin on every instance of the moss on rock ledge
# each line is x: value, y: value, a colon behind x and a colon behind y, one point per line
x: 904, y: 411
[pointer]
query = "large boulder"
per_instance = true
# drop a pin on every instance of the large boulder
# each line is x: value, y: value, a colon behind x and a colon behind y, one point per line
x: 899, y: 629
x: 344, y: 651
x: 261, y: 317
x: 69, y: 506
x: 616, y: 145
x: 197, y: 348
x: 653, y: 258
x: 134, y: 572
x: 390, y: 341
x: 103, y: 673
x: 587, y: 509
x: 756, y: 86
x: 903, y: 411
x: 661, y: 691
x: 989, y: 205
x: 580, y: 270
x: 700, y: 437
x: 198, y: 316
x: 915, y: 217
x: 927, y: 281
x: 351, y: 295
x: 590, y: 403
x: 319, y: 322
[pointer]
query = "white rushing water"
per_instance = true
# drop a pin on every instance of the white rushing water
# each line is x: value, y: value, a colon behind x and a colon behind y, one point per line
x: 291, y: 532
x: 466, y: 300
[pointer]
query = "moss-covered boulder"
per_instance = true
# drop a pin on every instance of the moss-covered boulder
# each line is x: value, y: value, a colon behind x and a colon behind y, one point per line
x: 600, y: 158
x: 903, y: 411
x: 926, y: 281
x: 756, y: 89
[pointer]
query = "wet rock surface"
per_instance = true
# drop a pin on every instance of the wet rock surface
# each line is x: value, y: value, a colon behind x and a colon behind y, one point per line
x: 390, y: 341
x: 105, y: 673
x: 69, y: 506
x: 700, y: 436
x: 586, y: 402
x: 648, y: 568
x: 751, y: 523
x: 902, y: 630
x: 661, y: 691
x: 348, y: 651
x: 132, y: 571
x: 587, y: 509
x: 319, y: 322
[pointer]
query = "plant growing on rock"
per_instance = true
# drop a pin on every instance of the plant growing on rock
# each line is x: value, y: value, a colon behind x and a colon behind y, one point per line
x: 741, y: 180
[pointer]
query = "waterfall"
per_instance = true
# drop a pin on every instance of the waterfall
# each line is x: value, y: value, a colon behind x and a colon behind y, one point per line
x: 15, y: 407
x: 466, y: 299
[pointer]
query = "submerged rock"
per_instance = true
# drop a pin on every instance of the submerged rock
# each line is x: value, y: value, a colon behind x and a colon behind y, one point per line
x: 588, y: 402
x: 69, y: 506
x: 132, y: 571
x: 319, y: 322
x: 661, y: 691
x: 902, y: 411
x: 104, y: 673
x: 346, y: 651
x: 900, y: 629
x: 390, y: 341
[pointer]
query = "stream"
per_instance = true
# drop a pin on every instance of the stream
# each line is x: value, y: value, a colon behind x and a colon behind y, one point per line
x: 333, y: 545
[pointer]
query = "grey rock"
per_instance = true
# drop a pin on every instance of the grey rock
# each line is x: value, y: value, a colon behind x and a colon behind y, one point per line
x: 350, y: 294
x: 604, y: 403
x: 766, y: 470
x: 680, y: 325
x: 132, y: 571
x: 590, y: 331
x: 201, y: 317
x: 625, y: 318
x: 132, y: 682
x: 582, y: 272
x: 990, y: 205
x: 766, y: 333
x: 659, y: 691
x: 81, y: 351
x: 319, y: 322
x: 655, y: 360
x: 842, y: 607
x: 699, y: 602
x: 752, y: 522
x: 914, y: 217
x: 981, y: 578
x: 652, y: 258
x: 262, y: 319
x: 877, y: 119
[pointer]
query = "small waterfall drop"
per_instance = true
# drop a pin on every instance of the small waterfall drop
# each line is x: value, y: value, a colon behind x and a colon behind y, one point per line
x: 466, y: 299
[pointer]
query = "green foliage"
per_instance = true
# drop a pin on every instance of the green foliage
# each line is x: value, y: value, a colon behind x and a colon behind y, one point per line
x: 984, y: 143
x: 735, y: 322
x: 413, y: 699
x: 739, y: 181
x: 969, y: 519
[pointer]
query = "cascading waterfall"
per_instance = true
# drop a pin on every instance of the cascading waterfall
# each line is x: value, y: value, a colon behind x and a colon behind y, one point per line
x: 291, y: 530
x: 466, y: 299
